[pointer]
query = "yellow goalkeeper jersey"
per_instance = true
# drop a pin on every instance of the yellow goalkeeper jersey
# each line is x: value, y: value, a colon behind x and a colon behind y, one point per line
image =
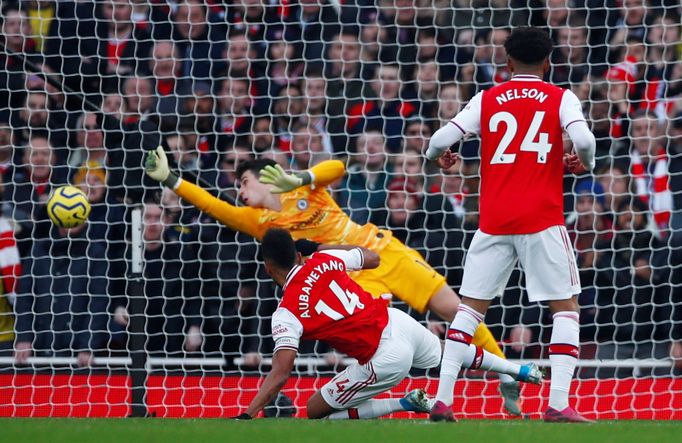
x: 308, y: 212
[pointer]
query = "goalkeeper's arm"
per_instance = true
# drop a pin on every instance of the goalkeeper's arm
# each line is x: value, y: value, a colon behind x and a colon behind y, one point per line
x: 322, y: 174
x: 240, y: 219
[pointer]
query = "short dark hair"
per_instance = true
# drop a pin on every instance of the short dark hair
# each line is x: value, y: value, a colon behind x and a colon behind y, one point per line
x: 528, y: 45
x: 254, y: 166
x: 279, y: 248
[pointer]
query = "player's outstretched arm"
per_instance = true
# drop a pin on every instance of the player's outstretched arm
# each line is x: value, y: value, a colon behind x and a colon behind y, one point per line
x: 245, y: 219
x: 321, y: 175
x: 282, y: 365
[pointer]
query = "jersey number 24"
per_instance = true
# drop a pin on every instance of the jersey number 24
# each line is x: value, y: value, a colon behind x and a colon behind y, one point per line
x: 541, y: 147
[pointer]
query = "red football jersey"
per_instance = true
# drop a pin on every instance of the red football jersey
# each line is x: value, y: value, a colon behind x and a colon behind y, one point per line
x: 331, y: 308
x: 521, y: 124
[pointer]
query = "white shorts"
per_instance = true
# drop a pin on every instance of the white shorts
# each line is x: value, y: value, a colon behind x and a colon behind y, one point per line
x: 404, y: 344
x: 546, y: 257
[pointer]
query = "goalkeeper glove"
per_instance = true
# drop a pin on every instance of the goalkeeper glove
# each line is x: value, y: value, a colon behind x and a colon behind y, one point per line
x: 156, y: 166
x: 282, y: 182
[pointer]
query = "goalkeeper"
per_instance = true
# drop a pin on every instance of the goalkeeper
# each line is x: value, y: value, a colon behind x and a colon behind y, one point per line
x: 300, y: 204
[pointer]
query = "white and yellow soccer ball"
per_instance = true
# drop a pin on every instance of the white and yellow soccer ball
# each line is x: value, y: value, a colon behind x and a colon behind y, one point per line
x: 68, y: 207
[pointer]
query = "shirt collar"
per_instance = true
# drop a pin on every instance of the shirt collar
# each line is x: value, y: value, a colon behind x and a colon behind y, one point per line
x: 526, y: 78
x: 293, y: 271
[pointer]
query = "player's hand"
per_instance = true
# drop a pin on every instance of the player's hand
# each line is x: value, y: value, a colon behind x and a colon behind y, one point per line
x: 282, y: 182
x: 573, y: 164
x: 156, y: 165
x: 448, y: 159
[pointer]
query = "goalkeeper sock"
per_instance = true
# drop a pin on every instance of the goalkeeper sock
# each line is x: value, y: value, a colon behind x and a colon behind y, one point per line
x: 486, y: 340
x: 563, y: 357
x: 477, y: 358
x: 369, y: 409
x: 456, y: 346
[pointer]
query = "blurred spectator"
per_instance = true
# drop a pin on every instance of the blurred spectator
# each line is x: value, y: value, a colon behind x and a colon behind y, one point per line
x: 488, y: 66
x: 363, y: 190
x: 194, y: 35
x: 287, y: 112
x: 307, y: 148
x: 15, y: 36
x: 635, y: 16
x: 237, y: 55
x: 385, y: 113
x: 346, y: 91
x: 36, y: 114
x: 426, y: 89
x: 139, y: 99
x: 417, y: 135
x: 234, y: 104
x: 234, y: 297
x: 10, y: 272
x: 629, y: 318
x: 7, y: 155
x: 319, y: 23
x: 61, y: 306
x: 170, y: 287
x: 449, y: 102
x: 634, y: 85
x: 284, y: 63
x: 315, y: 104
x: 649, y: 170
x: 261, y: 137
x: 616, y: 185
x: 601, y: 126
x: 569, y: 59
x: 663, y: 37
x: 171, y: 91
x: 33, y: 181
x: 107, y: 220
x: 90, y: 139
x: 123, y: 46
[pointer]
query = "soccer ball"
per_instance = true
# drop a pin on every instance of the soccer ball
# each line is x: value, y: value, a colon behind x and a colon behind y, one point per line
x: 68, y: 206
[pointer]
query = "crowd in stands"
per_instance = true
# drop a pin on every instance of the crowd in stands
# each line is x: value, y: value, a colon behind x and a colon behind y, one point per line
x: 302, y: 81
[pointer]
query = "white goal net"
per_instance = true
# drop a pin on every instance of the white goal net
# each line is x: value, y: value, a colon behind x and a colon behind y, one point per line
x: 86, y: 86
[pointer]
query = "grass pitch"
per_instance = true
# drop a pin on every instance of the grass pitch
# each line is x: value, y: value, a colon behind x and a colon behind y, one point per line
x: 294, y: 430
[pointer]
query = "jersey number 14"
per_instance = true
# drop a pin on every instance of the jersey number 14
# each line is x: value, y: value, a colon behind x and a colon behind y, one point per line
x: 541, y: 147
x: 349, y: 300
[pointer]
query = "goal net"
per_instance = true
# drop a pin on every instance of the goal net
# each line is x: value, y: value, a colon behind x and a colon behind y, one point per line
x: 87, y: 86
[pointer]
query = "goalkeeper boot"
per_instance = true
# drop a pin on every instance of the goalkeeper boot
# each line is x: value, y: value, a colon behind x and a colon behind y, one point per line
x: 510, y: 394
x: 416, y: 401
x: 441, y: 412
x: 568, y: 415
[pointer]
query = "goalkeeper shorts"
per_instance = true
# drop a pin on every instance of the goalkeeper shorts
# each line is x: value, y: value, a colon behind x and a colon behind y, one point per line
x: 404, y: 273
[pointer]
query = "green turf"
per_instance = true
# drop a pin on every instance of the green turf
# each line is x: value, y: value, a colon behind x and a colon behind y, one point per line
x: 375, y: 431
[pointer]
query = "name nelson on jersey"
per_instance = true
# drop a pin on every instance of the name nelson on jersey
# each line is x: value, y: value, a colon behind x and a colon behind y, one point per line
x: 314, y: 276
x: 515, y: 93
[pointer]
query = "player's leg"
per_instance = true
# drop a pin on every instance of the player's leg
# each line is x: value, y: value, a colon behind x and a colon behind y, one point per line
x: 552, y: 276
x: 414, y: 281
x: 445, y: 302
x: 488, y: 265
x: 352, y: 392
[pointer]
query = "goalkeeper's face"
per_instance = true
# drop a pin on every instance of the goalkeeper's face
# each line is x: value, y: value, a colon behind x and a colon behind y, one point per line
x: 251, y: 191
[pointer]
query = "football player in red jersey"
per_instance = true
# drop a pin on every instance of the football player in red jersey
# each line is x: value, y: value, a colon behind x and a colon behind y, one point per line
x: 521, y: 124
x: 321, y: 302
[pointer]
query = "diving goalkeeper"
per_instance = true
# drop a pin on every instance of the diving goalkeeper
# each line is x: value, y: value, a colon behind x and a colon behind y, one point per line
x: 300, y: 204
